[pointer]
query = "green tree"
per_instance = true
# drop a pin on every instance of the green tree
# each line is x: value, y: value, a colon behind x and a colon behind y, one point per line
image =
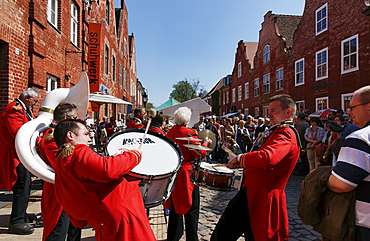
x: 187, y: 89
x: 149, y: 106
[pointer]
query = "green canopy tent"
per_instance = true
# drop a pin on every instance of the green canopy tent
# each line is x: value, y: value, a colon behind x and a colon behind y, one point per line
x: 168, y: 103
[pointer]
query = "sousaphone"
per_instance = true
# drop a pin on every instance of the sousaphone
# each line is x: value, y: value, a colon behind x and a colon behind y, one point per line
x: 25, y: 141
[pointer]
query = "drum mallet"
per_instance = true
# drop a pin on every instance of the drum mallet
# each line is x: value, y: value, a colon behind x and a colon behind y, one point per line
x: 151, y: 114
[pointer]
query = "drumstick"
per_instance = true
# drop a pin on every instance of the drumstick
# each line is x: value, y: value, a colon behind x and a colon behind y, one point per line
x: 228, y: 151
x: 146, y: 131
x: 220, y: 165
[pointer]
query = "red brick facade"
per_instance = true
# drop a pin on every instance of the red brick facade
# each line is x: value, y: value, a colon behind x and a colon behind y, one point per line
x: 36, y: 48
x: 298, y: 48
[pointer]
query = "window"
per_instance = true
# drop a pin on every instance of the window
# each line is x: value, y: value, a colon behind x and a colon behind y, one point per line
x: 299, y: 72
x: 300, y: 106
x: 322, y: 19
x: 246, y: 90
x: 246, y: 111
x: 266, y: 54
x: 51, y: 83
x: 239, y: 93
x: 53, y: 12
x: 279, y: 79
x: 266, y: 83
x: 256, y: 87
x: 233, y: 95
x: 106, y: 60
x: 224, y: 98
x: 107, y: 10
x: 227, y: 97
x: 265, y: 110
x: 322, y: 103
x: 239, y: 69
x: 120, y: 73
x: 113, y: 68
x: 346, y: 99
x: 256, y: 111
x: 124, y: 78
x: 322, y: 64
x: 350, y: 54
x: 74, y: 23
x: 125, y: 48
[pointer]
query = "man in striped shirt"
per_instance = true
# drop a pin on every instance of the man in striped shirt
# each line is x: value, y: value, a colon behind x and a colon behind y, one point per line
x: 353, y: 165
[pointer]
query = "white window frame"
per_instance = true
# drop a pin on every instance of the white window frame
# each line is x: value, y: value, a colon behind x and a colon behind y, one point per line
x: 321, y: 65
x: 343, y: 98
x: 239, y: 69
x: 239, y: 93
x: 317, y: 100
x: 52, y: 12
x: 266, y: 54
x: 300, y: 72
x: 233, y: 95
x: 51, y: 83
x: 256, y: 111
x: 280, y: 79
x: 246, y: 90
x: 120, y: 74
x: 317, y: 21
x: 246, y: 111
x: 114, y: 68
x: 74, y: 23
x: 344, y: 71
x: 125, y: 79
x: 266, y: 83
x: 256, y: 87
x: 265, y: 110
x: 125, y: 48
x: 300, y: 103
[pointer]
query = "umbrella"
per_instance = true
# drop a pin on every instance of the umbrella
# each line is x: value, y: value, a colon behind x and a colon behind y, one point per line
x: 321, y: 113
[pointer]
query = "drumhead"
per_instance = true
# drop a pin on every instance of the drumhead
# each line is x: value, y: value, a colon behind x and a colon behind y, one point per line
x: 215, y: 167
x: 160, y: 154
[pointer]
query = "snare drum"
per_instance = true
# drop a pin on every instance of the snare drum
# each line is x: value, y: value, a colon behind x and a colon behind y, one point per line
x: 160, y: 162
x: 213, y: 176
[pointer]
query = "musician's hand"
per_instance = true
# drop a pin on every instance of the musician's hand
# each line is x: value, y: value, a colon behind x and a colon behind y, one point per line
x: 233, y: 163
x: 207, y: 141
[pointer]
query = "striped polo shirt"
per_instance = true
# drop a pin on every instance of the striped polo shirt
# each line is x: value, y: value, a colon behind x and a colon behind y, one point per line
x: 353, y: 168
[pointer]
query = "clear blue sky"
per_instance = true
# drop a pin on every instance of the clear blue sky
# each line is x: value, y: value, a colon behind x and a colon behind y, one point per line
x: 194, y: 39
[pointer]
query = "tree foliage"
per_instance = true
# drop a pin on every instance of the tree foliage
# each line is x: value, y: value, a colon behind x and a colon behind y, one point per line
x: 187, y: 89
x: 149, y: 105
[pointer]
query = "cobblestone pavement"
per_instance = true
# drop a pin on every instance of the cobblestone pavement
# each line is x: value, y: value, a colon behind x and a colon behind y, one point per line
x: 212, y: 205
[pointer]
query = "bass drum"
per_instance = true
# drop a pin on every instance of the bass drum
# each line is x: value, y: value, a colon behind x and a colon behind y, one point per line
x: 160, y: 162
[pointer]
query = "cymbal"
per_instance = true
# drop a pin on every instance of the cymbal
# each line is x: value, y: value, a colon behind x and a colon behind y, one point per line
x: 207, y: 133
x: 198, y: 147
x: 189, y: 138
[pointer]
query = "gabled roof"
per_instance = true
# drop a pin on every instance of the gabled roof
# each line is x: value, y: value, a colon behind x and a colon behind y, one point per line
x: 286, y: 26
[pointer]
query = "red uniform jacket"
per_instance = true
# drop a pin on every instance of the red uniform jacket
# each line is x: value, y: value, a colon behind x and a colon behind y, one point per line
x: 156, y: 129
x: 92, y: 190
x: 135, y: 123
x: 266, y: 174
x: 11, y: 119
x: 51, y: 209
x: 181, y: 196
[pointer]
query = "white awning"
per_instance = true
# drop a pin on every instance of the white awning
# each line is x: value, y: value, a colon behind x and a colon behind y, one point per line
x: 103, y: 98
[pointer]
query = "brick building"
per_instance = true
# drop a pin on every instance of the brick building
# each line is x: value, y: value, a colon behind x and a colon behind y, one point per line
x: 330, y: 54
x: 46, y: 44
x: 319, y: 58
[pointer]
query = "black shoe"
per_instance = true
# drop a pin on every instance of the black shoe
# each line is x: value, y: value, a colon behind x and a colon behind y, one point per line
x: 20, y: 228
